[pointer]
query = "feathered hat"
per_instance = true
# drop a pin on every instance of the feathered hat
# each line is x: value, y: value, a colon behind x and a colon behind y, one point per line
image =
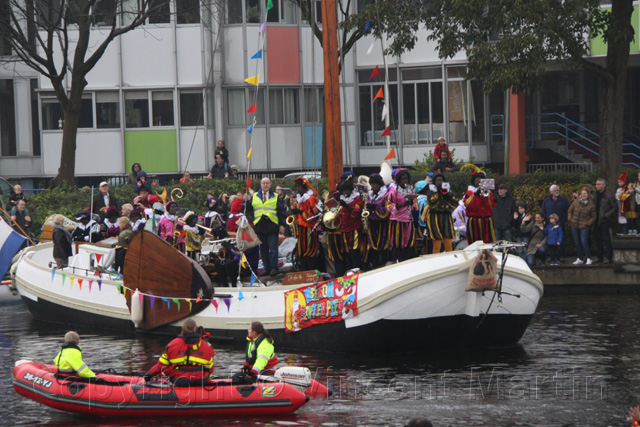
x: 623, y: 177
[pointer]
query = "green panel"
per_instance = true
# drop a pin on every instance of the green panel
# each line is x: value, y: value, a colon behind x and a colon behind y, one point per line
x: 155, y: 150
x: 599, y: 47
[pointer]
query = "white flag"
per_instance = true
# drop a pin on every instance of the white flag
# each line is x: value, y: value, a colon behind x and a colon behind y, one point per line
x: 384, y: 111
x: 370, y: 49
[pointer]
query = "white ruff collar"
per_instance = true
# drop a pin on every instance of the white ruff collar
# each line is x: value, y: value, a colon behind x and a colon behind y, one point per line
x: 303, y: 198
x: 407, y: 190
x: 379, y: 195
x: 472, y: 189
x: 110, y: 224
x: 169, y: 217
x: 349, y: 199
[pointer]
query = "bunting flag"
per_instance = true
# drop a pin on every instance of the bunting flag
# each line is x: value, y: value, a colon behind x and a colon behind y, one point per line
x: 100, y: 285
x: 198, y: 299
x: 53, y: 274
x: 370, y: 49
x: 119, y: 287
x: 215, y: 304
x: 250, y: 128
x: 97, y: 273
x: 80, y: 284
x: 269, y: 5
x: 190, y: 305
x: 380, y: 94
x: 249, y: 153
x: 243, y: 260
x: 64, y: 277
x: 90, y: 283
x: 177, y: 301
x: 367, y: 27
x: 71, y: 278
x: 253, y: 279
x: 385, y: 110
x: 263, y: 27
x: 386, y: 132
x: 375, y: 73
x: 391, y: 155
x: 255, y: 80
x: 227, y: 302
x: 168, y: 302
x: 98, y: 257
x: 152, y: 300
x: 258, y: 55
x: 141, y: 297
x: 248, y: 183
x: 240, y: 295
x: 253, y: 108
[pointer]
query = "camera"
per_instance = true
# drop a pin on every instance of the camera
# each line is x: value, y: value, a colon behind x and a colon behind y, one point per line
x: 445, y: 186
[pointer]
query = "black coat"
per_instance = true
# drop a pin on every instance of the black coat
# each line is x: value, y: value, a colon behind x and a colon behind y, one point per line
x: 98, y: 203
x: 503, y: 212
x: 606, y: 208
x: 61, y: 246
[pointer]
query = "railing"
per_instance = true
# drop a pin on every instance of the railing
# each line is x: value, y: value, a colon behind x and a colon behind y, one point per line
x: 374, y: 138
x: 497, y: 127
x: 557, y: 167
x: 561, y: 128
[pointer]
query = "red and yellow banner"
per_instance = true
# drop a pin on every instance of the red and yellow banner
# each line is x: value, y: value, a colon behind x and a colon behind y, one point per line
x: 324, y: 302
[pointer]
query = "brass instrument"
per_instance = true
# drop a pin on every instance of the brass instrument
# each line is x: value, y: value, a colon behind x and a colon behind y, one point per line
x: 204, y: 228
x: 365, y: 213
x: 291, y: 219
x: 332, y: 219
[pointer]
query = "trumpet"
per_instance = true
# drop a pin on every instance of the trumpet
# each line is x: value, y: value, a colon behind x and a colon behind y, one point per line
x: 291, y: 219
x: 365, y: 213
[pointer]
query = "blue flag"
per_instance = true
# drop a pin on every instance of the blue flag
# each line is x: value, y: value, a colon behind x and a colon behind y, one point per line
x: 367, y: 27
x: 257, y: 55
x: 10, y: 244
x: 253, y: 279
x: 250, y: 128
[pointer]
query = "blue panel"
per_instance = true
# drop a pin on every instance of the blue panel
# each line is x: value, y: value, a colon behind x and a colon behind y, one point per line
x: 312, y: 146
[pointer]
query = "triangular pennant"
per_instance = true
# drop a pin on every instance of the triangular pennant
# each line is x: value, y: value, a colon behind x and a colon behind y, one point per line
x: 100, y: 284
x: 168, y: 302
x: 248, y: 183
x: 250, y: 128
x: 190, y: 305
x: 64, y: 277
x: 80, y: 284
x: 269, y: 5
x: 119, y: 287
x: 240, y: 295
x: 243, y: 260
x: 98, y: 257
x: 249, y: 153
x: 370, y: 49
x: 177, y: 301
x: 90, y: 283
x: 263, y: 27
x: 391, y: 155
x: 385, y: 110
x: 386, y: 132
x: 215, y: 304
x: 96, y: 273
x: 380, y: 94
x: 198, y: 299
x: 253, y: 108
x: 141, y: 297
x: 53, y: 274
x: 258, y: 55
x: 152, y: 300
x: 227, y: 302
x: 71, y: 278
x: 375, y: 72
x: 367, y: 27
x: 254, y: 80
x: 253, y: 279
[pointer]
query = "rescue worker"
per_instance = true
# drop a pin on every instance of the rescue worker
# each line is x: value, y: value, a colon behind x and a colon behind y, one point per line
x: 187, y: 359
x: 69, y: 360
x: 260, y: 356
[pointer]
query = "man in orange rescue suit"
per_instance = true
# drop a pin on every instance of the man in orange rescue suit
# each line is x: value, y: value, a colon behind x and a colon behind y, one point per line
x: 187, y: 359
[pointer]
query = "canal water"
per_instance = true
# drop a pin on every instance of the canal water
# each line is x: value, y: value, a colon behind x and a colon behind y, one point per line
x: 578, y: 365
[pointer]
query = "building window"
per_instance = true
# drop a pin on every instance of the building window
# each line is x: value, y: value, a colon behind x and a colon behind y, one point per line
x: 316, y: 12
x: 314, y: 105
x: 234, y: 11
x: 160, y: 12
x: 191, y: 108
x: 284, y: 106
x: 35, y: 127
x: 237, y: 109
x: 253, y: 11
x: 107, y: 110
x: 52, y: 114
x: 284, y: 12
x: 136, y: 109
x: 371, y: 123
x: 8, y: 146
x: 86, y: 112
x: 188, y: 11
x: 162, y: 108
x: 104, y: 12
x: 47, y: 13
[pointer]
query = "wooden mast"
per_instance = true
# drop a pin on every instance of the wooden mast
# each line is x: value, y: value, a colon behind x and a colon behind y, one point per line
x: 333, y: 119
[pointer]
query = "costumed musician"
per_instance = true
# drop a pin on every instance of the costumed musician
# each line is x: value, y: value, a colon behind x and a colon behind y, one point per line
x: 441, y: 204
x: 378, y: 234
x: 88, y: 230
x: 400, y: 203
x: 335, y: 258
x: 353, y: 240
x: 194, y: 235
x: 307, y: 216
x: 423, y: 190
x: 479, y: 205
x: 168, y: 224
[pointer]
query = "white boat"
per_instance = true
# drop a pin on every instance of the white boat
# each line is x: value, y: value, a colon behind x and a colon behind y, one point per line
x: 416, y: 305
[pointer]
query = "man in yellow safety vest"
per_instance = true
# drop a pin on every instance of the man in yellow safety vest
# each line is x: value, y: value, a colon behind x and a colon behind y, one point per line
x: 268, y: 222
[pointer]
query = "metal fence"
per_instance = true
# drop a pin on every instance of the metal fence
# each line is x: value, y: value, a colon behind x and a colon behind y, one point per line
x: 561, y: 167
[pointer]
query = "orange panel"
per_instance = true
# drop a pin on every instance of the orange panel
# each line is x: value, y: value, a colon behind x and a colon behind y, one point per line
x: 517, y: 136
x: 283, y: 55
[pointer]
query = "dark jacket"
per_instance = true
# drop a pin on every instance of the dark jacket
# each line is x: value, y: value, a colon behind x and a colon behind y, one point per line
x: 582, y: 216
x: 535, y: 236
x: 606, y: 207
x: 441, y: 166
x: 518, y: 222
x: 559, y: 206
x: 98, y: 203
x: 503, y: 212
x: 218, y: 172
x: 61, y: 242
x: 267, y: 226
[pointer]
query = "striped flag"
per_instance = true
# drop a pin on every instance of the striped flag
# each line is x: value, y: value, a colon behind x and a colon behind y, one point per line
x: 10, y: 244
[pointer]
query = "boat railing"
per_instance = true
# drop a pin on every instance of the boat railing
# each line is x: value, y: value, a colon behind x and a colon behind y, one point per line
x: 112, y: 275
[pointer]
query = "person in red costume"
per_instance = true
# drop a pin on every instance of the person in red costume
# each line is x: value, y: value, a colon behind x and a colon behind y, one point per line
x: 479, y: 204
x: 353, y: 240
x: 306, y: 217
x: 234, y: 214
x: 187, y: 359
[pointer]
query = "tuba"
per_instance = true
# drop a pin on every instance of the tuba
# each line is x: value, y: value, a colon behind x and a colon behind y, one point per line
x: 291, y: 219
x: 365, y: 213
x: 332, y: 219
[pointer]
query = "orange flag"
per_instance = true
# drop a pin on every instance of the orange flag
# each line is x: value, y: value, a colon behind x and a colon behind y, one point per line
x: 392, y: 153
x: 380, y: 94
x: 387, y: 132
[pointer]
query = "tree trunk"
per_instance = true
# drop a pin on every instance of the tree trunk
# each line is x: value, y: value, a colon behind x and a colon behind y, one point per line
x: 613, y: 91
x: 68, y: 152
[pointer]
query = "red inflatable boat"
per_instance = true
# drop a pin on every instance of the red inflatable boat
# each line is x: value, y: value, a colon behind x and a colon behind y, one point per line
x: 127, y: 396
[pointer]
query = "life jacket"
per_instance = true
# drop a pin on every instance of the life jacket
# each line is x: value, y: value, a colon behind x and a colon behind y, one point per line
x: 187, y: 356
x: 266, y: 360
x: 69, y: 362
x: 268, y: 208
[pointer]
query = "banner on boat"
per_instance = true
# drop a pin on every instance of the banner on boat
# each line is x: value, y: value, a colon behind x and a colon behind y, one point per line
x: 323, y: 302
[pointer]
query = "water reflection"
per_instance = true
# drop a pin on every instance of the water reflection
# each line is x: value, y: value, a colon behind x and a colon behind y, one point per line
x: 578, y: 364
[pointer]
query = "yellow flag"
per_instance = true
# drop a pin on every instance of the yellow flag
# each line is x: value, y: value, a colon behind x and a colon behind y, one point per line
x: 249, y: 153
x: 244, y: 260
x: 253, y: 80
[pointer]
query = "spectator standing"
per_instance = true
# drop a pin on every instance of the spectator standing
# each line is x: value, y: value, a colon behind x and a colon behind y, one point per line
x: 444, y: 163
x: 20, y: 217
x: 61, y: 242
x: 503, y: 214
x: 554, y: 238
x: 233, y: 174
x: 132, y: 178
x: 606, y: 212
x: 582, y: 215
x: 103, y: 200
x: 219, y: 170
x: 521, y: 237
x: 556, y: 204
x: 222, y: 150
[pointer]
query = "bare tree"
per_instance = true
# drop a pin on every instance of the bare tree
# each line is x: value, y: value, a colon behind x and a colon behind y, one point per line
x: 53, y: 38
